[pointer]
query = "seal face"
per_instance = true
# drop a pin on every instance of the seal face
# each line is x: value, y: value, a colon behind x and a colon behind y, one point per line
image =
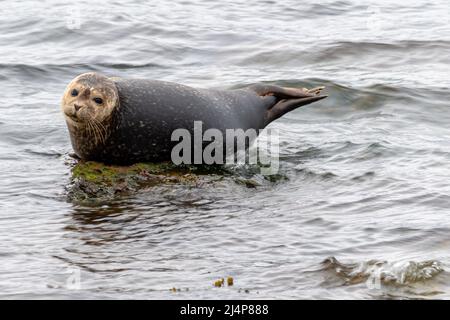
x: 87, y: 104
x: 124, y: 121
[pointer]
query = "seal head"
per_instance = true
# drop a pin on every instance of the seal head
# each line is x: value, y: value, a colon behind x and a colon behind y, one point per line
x: 88, y: 104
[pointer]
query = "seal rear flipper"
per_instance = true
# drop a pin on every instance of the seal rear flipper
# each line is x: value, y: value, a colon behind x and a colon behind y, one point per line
x: 288, y: 99
x: 285, y: 92
x: 286, y: 105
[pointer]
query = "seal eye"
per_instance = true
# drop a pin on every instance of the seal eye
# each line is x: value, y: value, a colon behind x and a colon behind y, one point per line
x: 98, y: 100
x: 74, y: 92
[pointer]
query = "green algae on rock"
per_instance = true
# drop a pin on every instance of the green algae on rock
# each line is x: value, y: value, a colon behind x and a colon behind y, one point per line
x: 96, y: 181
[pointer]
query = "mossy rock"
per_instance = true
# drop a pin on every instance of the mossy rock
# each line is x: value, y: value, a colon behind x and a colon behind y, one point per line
x: 96, y: 172
x: 97, y: 181
x: 94, y: 181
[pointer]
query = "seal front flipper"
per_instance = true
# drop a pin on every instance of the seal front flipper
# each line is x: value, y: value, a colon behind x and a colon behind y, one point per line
x: 288, y: 99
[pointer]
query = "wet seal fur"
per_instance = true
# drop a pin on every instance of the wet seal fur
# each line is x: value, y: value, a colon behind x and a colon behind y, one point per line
x: 125, y: 121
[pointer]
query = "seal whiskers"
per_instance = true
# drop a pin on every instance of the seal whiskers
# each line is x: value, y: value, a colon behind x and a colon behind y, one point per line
x: 102, y: 129
x: 99, y: 129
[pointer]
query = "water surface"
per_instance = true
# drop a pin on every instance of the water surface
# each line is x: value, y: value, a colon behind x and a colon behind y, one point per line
x: 364, y: 185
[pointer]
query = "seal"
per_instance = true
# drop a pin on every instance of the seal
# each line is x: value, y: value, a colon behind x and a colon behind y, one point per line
x: 125, y: 121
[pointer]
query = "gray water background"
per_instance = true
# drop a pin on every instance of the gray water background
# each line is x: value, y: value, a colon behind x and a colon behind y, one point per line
x: 364, y: 174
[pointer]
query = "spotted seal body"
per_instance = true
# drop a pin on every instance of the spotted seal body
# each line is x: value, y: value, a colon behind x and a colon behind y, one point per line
x: 124, y: 121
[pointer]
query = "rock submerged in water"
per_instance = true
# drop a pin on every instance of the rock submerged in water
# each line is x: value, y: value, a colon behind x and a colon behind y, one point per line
x: 97, y: 181
x: 94, y: 181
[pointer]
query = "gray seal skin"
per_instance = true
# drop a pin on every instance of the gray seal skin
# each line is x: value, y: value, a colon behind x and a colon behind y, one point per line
x: 125, y: 121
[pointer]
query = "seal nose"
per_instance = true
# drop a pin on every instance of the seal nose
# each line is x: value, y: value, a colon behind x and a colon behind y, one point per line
x: 77, y: 107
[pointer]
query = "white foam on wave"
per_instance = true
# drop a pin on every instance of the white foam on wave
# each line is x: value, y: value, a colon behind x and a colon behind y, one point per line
x: 375, y: 272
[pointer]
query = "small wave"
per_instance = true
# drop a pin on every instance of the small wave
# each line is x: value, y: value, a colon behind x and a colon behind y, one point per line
x: 341, y: 49
x: 387, y: 273
x: 44, y: 69
x: 325, y: 175
x: 44, y: 153
x: 331, y: 9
